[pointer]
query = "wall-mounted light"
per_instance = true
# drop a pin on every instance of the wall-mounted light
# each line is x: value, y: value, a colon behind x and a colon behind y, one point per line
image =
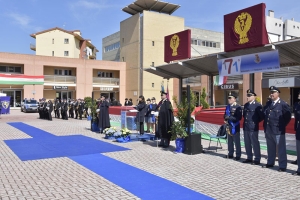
x: 153, y: 85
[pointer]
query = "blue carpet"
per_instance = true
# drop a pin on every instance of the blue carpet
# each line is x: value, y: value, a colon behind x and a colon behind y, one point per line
x: 44, y: 145
x: 30, y: 130
x: 138, y: 182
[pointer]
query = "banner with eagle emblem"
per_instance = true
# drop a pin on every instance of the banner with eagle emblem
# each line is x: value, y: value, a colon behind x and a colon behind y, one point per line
x: 178, y: 46
x: 245, y: 28
x: 5, y: 105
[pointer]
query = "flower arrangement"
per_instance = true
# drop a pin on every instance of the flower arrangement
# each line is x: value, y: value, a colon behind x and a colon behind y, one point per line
x: 109, y: 132
x: 124, y: 132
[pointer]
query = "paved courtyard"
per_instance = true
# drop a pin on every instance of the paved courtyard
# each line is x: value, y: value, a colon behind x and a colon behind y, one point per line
x: 63, y: 178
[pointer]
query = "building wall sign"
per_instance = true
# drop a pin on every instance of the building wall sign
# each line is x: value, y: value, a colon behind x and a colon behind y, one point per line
x: 60, y: 87
x: 282, y: 82
x: 233, y: 86
x: 106, y: 89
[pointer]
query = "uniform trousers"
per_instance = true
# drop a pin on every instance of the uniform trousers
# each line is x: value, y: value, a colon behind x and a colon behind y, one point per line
x: 272, y: 142
x: 298, y: 154
x: 252, y: 142
x: 234, y: 140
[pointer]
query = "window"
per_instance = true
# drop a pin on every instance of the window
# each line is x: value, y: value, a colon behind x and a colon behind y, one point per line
x: 18, y: 69
x: 66, y: 40
x: 112, y: 47
x: 65, y: 72
x: 53, y: 41
x: 2, y: 68
x: 203, y: 43
x: 52, y: 53
x: 152, y: 43
x: 66, y: 53
x: 110, y: 75
x: 11, y: 69
x: 105, y: 74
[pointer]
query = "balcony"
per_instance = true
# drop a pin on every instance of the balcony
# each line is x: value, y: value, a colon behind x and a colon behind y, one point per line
x: 33, y: 47
x: 106, y: 81
x: 59, y: 79
x: 93, y: 55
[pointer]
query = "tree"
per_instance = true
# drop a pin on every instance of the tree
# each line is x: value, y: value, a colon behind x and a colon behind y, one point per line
x: 203, y: 99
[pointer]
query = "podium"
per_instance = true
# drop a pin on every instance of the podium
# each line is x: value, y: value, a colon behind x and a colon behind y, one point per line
x: 193, y: 144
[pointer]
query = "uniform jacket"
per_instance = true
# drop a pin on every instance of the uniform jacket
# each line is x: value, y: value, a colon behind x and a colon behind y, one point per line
x: 297, y: 120
x: 142, y: 108
x: 235, y: 115
x: 276, y: 117
x: 253, y: 114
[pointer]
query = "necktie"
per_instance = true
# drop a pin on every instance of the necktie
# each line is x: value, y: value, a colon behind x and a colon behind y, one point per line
x: 273, y: 104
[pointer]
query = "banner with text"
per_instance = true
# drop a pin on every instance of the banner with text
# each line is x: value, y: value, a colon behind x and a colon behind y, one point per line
x: 5, y: 105
x: 247, y: 64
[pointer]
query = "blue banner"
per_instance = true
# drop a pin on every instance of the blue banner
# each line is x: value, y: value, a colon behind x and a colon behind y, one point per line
x: 251, y: 63
x: 123, y: 119
x: 5, y: 105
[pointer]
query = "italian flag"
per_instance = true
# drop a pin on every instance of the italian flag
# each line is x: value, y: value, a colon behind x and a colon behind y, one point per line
x: 220, y: 80
x: 20, y: 79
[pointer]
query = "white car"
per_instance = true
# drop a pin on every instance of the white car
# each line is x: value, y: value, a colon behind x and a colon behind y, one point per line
x: 29, y: 105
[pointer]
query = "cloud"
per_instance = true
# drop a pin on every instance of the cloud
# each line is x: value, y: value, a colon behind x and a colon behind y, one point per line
x: 20, y: 19
x: 23, y: 21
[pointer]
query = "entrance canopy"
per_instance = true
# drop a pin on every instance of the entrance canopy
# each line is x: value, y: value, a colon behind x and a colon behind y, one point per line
x: 289, y: 55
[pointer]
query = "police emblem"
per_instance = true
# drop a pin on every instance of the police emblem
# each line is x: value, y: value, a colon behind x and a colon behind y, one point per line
x: 5, y: 104
x: 248, y: 91
x: 272, y: 87
x: 229, y: 93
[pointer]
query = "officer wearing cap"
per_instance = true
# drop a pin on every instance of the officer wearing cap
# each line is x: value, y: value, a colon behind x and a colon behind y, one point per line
x: 277, y: 115
x: 232, y: 116
x: 297, y: 129
x: 45, y: 112
x: 252, y: 114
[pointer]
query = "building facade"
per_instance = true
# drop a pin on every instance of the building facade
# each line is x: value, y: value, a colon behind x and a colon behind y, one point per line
x: 58, y: 42
x: 63, y: 77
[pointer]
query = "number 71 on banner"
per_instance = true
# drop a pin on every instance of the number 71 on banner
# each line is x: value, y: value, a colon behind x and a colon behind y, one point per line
x: 231, y: 66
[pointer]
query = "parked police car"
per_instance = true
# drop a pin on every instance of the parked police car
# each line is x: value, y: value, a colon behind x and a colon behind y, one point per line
x: 29, y: 105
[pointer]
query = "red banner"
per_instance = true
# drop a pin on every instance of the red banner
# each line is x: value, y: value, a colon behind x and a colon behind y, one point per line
x: 245, y: 28
x: 178, y: 46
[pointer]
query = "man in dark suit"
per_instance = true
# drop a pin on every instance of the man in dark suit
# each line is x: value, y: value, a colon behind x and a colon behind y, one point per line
x: 297, y: 129
x: 252, y: 114
x: 277, y: 115
x: 50, y: 109
x: 233, y: 116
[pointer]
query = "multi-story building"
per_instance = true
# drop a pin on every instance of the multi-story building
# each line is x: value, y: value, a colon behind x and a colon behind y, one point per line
x: 67, y: 63
x: 140, y: 43
x: 62, y: 43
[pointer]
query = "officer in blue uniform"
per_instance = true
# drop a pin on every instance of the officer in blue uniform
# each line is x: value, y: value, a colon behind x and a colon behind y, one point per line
x: 232, y: 116
x: 277, y: 115
x: 252, y: 114
x: 297, y: 129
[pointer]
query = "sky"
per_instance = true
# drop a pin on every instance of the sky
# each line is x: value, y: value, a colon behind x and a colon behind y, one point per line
x: 99, y: 18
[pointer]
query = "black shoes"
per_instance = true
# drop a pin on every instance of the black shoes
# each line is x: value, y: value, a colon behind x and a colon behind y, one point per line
x: 281, y: 169
x: 247, y: 161
x: 267, y: 166
x: 237, y: 158
x: 255, y: 163
x: 294, y: 162
x: 228, y: 157
x: 296, y: 174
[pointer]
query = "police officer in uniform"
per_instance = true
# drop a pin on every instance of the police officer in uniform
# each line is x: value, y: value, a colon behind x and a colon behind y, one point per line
x: 66, y: 106
x: 252, y: 114
x: 277, y: 115
x: 232, y: 116
x: 45, y: 112
x: 40, y: 108
x: 76, y: 105
x: 80, y: 108
x: 297, y: 129
x: 50, y: 109
x: 57, y: 108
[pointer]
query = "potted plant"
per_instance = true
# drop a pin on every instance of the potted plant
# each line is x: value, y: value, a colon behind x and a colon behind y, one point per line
x: 182, y: 109
x: 110, y: 132
x: 123, y: 135
x: 92, y: 105
x: 179, y: 134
